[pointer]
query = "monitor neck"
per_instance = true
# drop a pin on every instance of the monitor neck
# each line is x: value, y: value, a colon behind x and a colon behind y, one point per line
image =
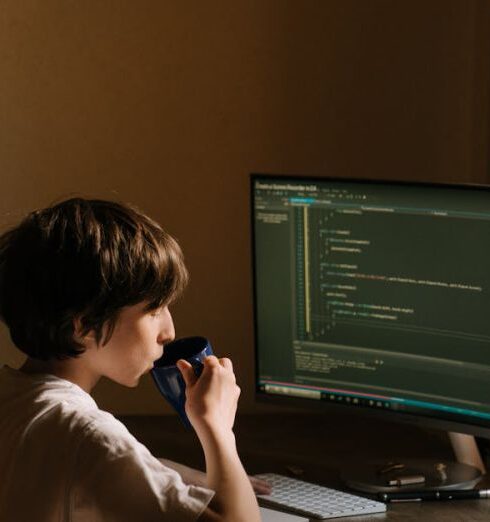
x: 466, y: 450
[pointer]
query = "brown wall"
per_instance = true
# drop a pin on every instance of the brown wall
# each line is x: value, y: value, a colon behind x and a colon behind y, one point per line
x: 170, y: 106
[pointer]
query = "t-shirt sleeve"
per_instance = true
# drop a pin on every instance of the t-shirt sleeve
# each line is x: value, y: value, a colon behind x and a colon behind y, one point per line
x: 118, y: 479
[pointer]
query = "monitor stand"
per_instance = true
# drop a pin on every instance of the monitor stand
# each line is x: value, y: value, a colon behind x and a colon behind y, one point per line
x: 415, y: 474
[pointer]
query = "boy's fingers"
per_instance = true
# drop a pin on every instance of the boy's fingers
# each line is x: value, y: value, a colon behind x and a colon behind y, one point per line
x: 211, y: 361
x: 226, y: 363
x: 261, y: 487
x: 187, y: 372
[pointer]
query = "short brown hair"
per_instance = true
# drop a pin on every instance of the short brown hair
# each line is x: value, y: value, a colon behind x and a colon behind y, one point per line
x: 84, y: 259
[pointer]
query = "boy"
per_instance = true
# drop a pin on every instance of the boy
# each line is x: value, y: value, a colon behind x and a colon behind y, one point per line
x: 85, y: 288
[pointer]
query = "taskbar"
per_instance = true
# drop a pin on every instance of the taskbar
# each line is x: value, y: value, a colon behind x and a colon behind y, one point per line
x: 370, y: 400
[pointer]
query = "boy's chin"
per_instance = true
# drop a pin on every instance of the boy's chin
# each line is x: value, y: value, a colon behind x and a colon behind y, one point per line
x: 129, y: 383
x: 134, y: 383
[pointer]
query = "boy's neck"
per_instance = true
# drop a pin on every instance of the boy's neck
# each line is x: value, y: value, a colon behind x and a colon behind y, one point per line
x: 69, y: 369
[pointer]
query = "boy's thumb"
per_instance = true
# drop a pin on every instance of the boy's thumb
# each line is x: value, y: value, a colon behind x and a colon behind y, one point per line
x: 187, y: 372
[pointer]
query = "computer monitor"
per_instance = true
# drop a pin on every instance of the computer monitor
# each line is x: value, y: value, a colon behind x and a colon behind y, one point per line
x: 374, y: 296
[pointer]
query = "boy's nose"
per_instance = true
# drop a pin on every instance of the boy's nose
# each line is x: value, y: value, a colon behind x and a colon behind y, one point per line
x: 168, y: 336
x: 167, y: 331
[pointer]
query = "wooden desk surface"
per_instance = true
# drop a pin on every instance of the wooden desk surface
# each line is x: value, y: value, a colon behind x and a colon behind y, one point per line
x: 318, y: 448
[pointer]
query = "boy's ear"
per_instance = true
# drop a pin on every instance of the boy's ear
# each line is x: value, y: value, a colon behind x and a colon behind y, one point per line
x: 78, y: 332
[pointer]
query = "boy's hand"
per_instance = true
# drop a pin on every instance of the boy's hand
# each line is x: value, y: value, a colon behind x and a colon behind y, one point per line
x: 211, y: 399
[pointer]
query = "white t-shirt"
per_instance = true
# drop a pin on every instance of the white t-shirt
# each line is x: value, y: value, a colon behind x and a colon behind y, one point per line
x: 64, y: 459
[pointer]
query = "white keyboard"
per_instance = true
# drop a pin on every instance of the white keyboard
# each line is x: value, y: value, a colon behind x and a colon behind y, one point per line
x: 315, y: 501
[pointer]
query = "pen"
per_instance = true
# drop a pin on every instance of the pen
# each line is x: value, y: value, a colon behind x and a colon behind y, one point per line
x: 445, y: 494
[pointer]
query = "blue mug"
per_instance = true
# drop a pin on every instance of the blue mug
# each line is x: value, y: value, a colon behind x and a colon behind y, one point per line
x: 167, y: 376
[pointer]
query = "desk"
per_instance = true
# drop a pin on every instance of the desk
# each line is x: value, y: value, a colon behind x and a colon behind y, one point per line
x: 318, y: 446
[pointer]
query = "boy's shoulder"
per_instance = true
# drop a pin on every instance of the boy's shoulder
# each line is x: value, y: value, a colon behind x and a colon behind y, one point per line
x: 80, y: 418
x: 50, y: 407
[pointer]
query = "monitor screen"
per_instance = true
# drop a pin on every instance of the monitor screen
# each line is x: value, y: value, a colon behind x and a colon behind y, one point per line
x: 374, y: 296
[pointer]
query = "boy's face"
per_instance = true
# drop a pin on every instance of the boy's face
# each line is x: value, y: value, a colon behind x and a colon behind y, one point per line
x: 137, y: 341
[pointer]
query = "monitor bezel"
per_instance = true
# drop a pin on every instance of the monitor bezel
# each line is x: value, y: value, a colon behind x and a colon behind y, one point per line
x: 313, y: 405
